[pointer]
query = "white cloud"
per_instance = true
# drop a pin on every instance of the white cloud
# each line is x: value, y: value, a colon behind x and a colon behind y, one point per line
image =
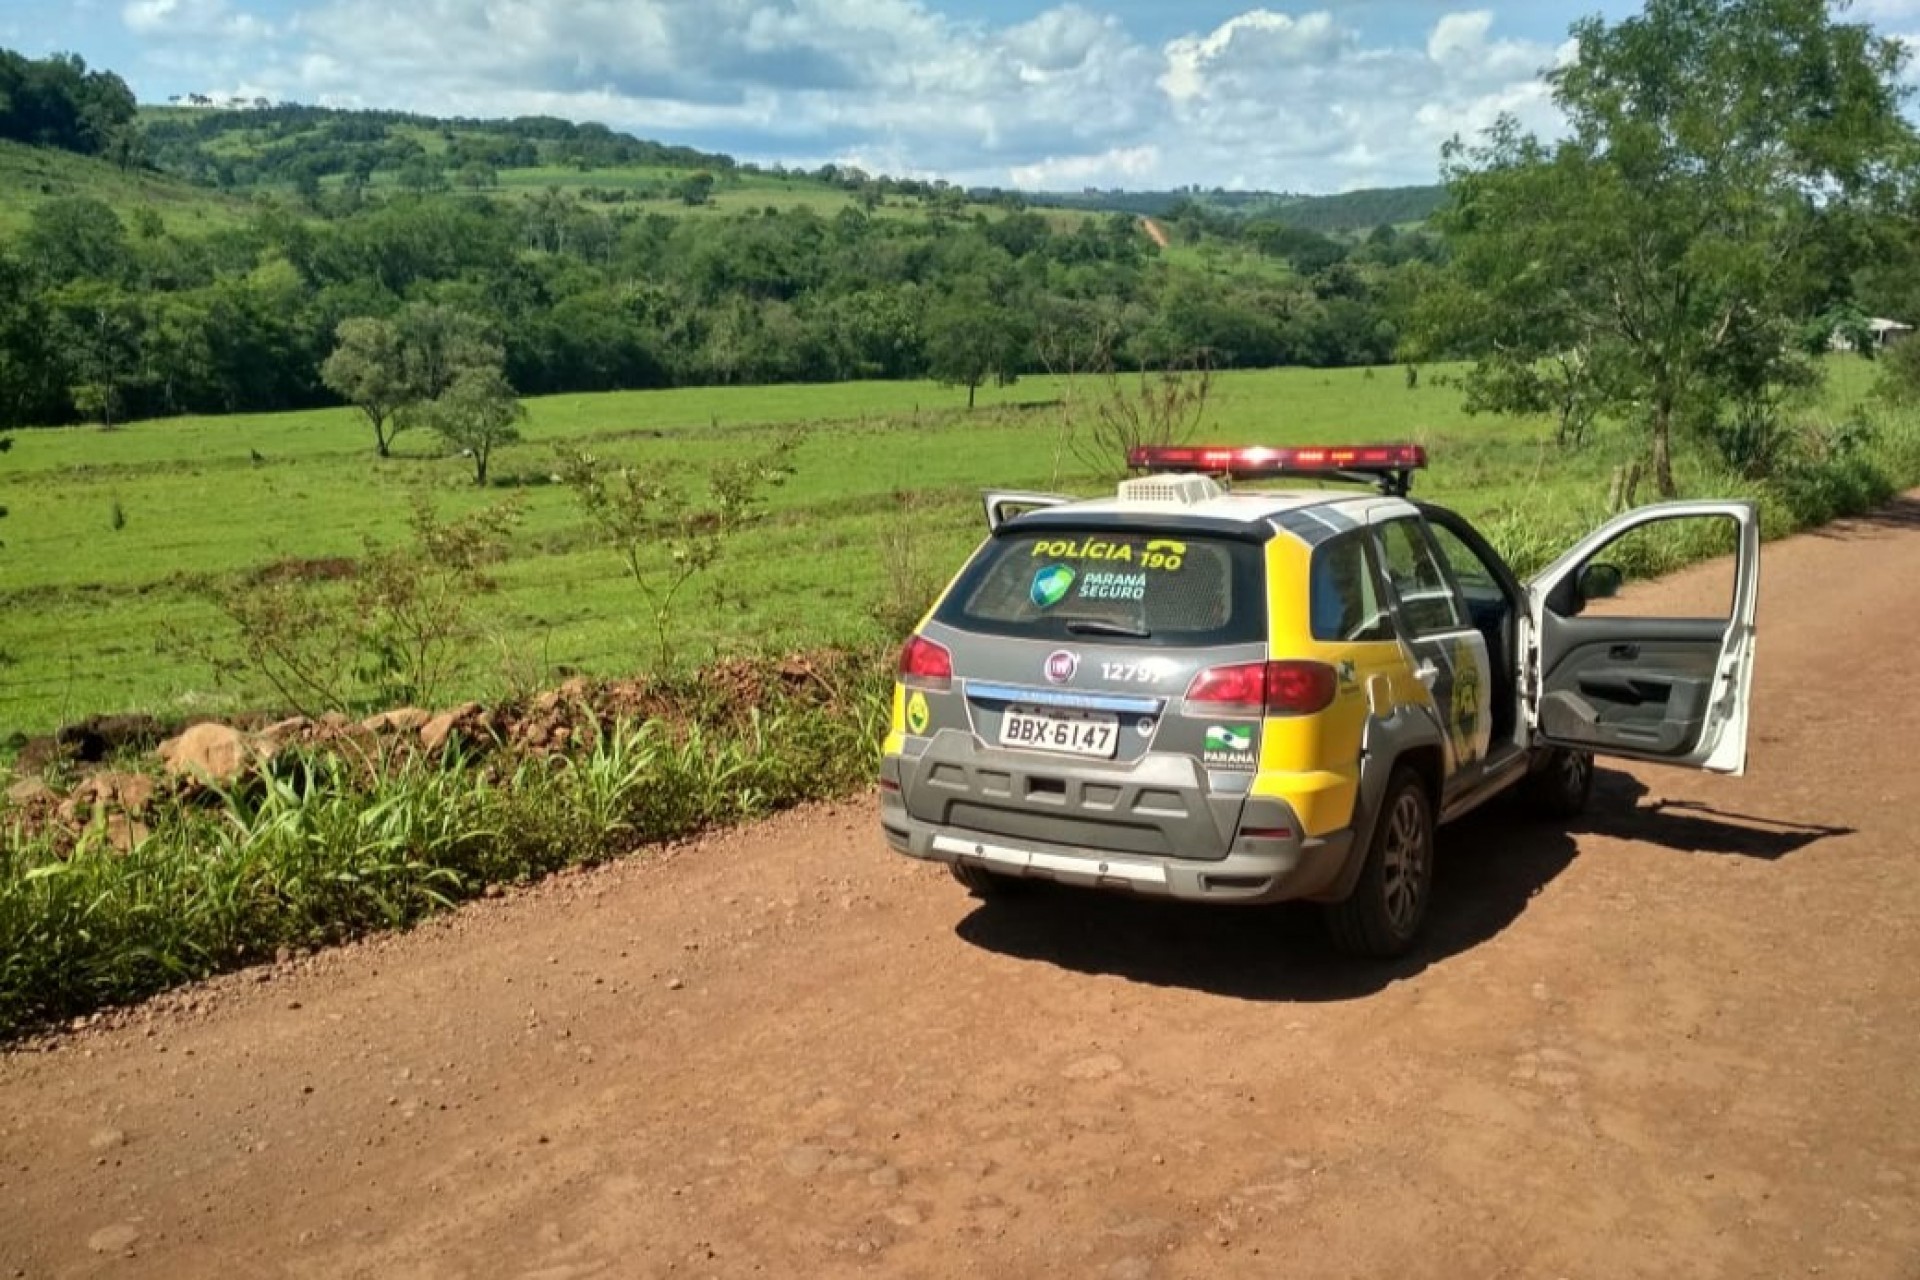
x: 1253, y: 42
x: 193, y: 19
x: 1119, y: 167
x: 1883, y: 11
x: 1066, y: 96
x: 1337, y: 112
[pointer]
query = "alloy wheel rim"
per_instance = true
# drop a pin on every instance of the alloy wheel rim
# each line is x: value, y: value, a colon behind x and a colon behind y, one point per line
x: 1405, y: 863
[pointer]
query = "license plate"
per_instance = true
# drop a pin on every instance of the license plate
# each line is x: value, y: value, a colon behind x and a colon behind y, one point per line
x: 1075, y: 733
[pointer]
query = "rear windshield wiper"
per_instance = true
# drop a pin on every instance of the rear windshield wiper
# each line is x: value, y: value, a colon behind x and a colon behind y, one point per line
x: 1101, y: 627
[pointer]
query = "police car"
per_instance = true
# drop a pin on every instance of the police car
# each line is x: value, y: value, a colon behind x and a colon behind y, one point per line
x: 1245, y: 695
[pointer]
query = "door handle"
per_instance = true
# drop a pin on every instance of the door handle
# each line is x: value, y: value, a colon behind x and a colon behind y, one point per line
x: 1623, y: 652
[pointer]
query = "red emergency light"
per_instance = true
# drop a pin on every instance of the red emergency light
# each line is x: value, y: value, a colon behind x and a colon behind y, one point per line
x: 1388, y: 465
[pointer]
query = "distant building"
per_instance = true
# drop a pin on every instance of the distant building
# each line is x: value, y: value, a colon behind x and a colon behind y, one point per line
x: 1885, y: 333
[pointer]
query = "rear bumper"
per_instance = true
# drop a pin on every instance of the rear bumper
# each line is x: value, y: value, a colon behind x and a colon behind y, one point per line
x: 1257, y: 869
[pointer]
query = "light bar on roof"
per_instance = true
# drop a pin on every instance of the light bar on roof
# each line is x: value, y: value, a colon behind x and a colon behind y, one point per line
x: 1386, y: 464
x: 1262, y: 460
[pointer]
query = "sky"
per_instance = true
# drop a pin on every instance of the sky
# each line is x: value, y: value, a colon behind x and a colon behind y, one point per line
x: 1141, y: 94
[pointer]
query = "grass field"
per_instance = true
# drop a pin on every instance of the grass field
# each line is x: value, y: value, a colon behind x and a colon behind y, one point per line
x: 97, y: 614
x: 30, y: 176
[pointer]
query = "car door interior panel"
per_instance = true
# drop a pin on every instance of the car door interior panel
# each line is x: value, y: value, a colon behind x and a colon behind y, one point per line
x: 1637, y: 684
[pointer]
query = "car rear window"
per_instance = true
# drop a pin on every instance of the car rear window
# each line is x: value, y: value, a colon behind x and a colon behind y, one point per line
x: 1100, y: 586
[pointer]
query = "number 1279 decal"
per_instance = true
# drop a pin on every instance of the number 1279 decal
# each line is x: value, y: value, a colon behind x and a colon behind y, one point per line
x: 1133, y: 672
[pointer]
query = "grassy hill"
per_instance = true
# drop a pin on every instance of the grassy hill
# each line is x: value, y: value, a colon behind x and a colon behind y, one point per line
x: 32, y: 175
x: 294, y: 150
x: 1351, y: 211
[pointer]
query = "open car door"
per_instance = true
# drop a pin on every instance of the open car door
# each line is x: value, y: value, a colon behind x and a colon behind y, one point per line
x: 1004, y: 504
x: 1670, y: 689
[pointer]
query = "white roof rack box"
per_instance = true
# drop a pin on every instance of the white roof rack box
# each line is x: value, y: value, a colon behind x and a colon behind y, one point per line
x: 1182, y: 490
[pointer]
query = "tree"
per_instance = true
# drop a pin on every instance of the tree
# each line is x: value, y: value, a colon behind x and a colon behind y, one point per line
x: 476, y: 415
x: 695, y: 189
x: 31, y: 386
x: 1671, y: 245
x: 439, y: 343
x: 101, y: 330
x: 366, y: 371
x: 663, y: 538
x: 391, y: 369
x: 76, y: 237
x: 971, y: 337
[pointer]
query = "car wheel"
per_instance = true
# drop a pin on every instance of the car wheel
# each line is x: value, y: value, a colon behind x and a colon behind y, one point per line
x: 1558, y: 786
x: 982, y: 883
x: 1382, y: 917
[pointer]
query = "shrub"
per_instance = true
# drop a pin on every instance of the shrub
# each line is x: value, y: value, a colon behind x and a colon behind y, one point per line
x: 324, y: 847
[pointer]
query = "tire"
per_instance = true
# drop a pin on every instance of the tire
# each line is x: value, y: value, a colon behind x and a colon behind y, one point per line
x: 1381, y: 919
x: 1559, y: 784
x: 985, y: 884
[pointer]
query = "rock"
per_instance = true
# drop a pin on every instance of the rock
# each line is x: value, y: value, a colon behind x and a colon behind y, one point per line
x: 277, y: 736
x: 31, y: 793
x: 1097, y: 1067
x: 125, y: 832
x: 435, y: 733
x: 210, y: 753
x: 332, y: 724
x: 805, y: 1161
x: 130, y: 792
x: 106, y: 1139
x: 114, y: 1239
x: 400, y: 720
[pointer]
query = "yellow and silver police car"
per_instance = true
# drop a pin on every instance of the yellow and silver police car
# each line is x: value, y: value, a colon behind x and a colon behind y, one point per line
x: 1208, y: 691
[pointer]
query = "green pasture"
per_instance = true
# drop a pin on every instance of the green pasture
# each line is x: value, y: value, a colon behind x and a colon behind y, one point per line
x: 109, y: 528
x: 31, y: 176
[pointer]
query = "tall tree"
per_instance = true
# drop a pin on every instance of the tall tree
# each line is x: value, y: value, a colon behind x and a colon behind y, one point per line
x: 366, y: 371
x: 1671, y: 243
x: 31, y: 386
x: 392, y: 369
x: 973, y: 336
x: 101, y: 330
x: 476, y: 415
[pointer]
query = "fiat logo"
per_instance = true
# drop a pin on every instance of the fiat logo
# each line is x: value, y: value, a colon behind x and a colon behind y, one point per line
x: 1061, y: 664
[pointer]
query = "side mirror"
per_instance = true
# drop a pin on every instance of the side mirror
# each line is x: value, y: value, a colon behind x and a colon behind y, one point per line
x: 1599, y: 582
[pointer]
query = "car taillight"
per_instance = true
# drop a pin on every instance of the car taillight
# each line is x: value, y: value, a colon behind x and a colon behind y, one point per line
x: 1290, y: 688
x: 924, y: 663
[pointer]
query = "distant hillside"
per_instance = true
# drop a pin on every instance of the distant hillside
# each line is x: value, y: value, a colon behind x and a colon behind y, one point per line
x: 1351, y: 211
x: 30, y: 176
x: 292, y: 144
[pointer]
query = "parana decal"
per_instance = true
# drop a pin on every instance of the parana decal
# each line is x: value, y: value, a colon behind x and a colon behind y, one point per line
x: 918, y: 716
x: 1229, y: 737
x: 1229, y: 746
x: 1051, y: 585
x: 1114, y: 586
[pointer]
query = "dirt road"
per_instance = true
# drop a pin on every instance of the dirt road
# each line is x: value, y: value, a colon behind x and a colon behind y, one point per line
x: 1681, y: 1041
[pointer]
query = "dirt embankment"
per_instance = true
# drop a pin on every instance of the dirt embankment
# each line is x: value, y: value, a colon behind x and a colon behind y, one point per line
x: 1678, y: 1040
